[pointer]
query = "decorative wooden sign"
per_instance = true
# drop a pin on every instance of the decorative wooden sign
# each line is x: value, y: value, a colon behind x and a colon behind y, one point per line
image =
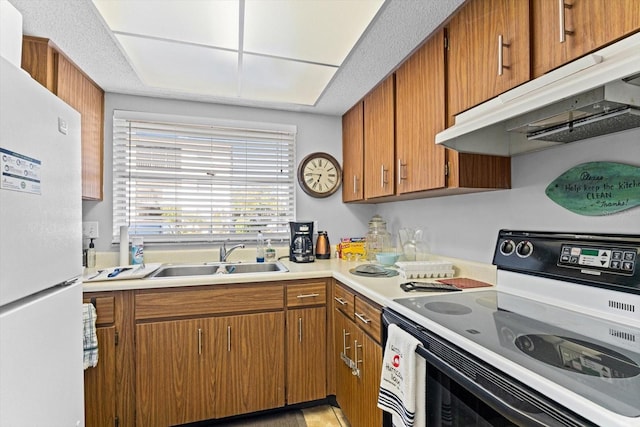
x: 597, y: 188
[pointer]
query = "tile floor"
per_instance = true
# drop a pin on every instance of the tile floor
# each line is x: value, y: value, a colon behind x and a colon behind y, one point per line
x: 324, y: 416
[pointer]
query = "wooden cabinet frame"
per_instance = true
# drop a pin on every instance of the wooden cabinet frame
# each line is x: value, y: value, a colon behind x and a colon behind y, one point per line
x: 357, y: 337
x: 258, y: 312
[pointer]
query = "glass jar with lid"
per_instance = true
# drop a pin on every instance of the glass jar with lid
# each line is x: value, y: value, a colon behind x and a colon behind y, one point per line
x: 378, y: 238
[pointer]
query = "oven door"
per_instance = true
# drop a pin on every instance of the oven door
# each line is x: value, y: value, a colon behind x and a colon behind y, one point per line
x: 461, y: 390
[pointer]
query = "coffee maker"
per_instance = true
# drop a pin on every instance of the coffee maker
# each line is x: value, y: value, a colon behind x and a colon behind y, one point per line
x: 301, y: 247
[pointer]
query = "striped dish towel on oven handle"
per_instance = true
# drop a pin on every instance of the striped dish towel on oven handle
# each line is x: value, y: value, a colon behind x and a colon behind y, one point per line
x: 402, y: 381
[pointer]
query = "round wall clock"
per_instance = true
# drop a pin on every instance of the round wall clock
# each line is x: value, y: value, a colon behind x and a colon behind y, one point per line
x: 319, y: 174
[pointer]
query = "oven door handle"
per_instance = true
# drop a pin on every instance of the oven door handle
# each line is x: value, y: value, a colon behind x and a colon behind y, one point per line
x: 500, y: 405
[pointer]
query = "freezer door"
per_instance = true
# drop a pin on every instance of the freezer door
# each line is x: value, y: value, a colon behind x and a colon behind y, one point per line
x: 40, y: 214
x: 41, y: 370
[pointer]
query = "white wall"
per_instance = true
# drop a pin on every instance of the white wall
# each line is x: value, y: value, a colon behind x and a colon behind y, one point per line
x: 463, y: 226
x: 315, y: 133
x: 466, y: 226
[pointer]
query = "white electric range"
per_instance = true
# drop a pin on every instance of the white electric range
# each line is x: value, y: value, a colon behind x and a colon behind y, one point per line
x: 557, y: 342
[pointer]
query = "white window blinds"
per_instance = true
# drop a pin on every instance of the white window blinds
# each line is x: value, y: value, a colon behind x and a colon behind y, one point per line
x: 185, y: 179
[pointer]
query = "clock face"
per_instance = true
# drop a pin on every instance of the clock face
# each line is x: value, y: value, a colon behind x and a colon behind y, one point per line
x: 319, y: 175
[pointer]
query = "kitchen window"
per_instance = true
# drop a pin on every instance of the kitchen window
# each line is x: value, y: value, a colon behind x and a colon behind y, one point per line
x: 187, y: 179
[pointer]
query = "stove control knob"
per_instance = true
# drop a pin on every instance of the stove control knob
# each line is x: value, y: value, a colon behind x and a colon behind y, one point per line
x: 507, y: 247
x: 524, y: 249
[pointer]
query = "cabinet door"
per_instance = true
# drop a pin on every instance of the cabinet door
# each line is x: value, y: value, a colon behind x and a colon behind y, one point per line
x: 353, y: 154
x: 306, y: 363
x: 249, y: 365
x: 420, y: 115
x: 172, y: 384
x: 480, y: 67
x: 345, y: 385
x: 587, y: 25
x: 92, y: 141
x: 379, y: 140
x: 357, y: 391
x: 80, y: 93
x: 370, y: 365
x: 100, y: 382
x: 46, y: 64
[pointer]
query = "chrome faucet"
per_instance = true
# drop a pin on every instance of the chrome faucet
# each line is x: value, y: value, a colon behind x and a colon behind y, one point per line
x: 224, y: 252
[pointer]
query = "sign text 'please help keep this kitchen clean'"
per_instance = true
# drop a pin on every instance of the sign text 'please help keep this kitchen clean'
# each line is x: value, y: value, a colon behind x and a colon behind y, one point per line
x: 597, y: 188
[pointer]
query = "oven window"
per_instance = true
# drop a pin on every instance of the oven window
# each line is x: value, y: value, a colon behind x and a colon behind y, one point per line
x: 450, y: 405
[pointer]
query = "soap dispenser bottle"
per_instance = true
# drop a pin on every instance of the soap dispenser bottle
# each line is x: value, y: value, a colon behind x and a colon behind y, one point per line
x: 91, y: 255
x: 270, y: 252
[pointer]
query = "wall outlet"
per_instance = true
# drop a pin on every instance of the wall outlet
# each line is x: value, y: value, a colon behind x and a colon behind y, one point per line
x: 90, y: 229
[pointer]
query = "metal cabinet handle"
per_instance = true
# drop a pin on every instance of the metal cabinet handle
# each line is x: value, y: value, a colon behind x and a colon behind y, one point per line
x: 362, y: 318
x: 340, y: 301
x: 199, y: 340
x: 561, y: 14
x: 401, y: 166
x: 299, y: 329
x: 344, y: 342
x: 501, y: 46
x: 228, y: 338
x: 308, y: 295
x: 355, y: 184
x: 356, y: 371
x: 383, y: 174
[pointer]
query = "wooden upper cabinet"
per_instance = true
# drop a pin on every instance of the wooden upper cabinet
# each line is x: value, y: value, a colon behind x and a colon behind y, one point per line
x: 488, y: 51
x: 353, y: 154
x: 587, y: 26
x: 379, y: 140
x: 48, y: 65
x: 420, y: 115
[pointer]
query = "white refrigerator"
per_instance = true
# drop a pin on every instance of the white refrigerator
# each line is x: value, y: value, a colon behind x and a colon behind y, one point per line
x: 41, y: 363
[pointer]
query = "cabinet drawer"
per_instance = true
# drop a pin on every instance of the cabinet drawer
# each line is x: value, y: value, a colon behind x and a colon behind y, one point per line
x: 105, y: 308
x: 304, y: 294
x: 210, y: 300
x: 368, y: 317
x: 344, y: 300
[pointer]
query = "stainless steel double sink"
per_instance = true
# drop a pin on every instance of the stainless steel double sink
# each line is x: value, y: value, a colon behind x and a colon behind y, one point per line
x: 186, y: 270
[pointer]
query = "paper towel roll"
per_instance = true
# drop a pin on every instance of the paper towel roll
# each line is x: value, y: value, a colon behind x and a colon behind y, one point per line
x: 124, y: 245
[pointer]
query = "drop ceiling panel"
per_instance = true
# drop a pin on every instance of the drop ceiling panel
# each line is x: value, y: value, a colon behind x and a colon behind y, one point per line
x: 213, y: 23
x: 315, y: 31
x: 177, y: 66
x: 278, y: 80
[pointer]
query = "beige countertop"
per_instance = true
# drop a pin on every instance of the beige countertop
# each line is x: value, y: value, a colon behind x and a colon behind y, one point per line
x: 380, y: 290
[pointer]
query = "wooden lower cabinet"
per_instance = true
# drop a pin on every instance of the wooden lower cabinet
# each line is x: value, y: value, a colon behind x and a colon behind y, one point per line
x: 250, y: 371
x: 357, y: 391
x: 198, y: 369
x: 174, y: 381
x: 306, y: 360
x: 100, y: 383
x: 171, y: 356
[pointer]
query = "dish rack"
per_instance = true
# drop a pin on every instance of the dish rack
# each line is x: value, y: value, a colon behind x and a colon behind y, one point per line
x: 425, y: 269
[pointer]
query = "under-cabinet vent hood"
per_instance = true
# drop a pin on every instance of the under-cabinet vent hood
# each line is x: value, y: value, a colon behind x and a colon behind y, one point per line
x: 596, y: 95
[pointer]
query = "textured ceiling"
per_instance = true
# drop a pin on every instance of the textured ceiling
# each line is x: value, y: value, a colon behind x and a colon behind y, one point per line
x: 77, y: 29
